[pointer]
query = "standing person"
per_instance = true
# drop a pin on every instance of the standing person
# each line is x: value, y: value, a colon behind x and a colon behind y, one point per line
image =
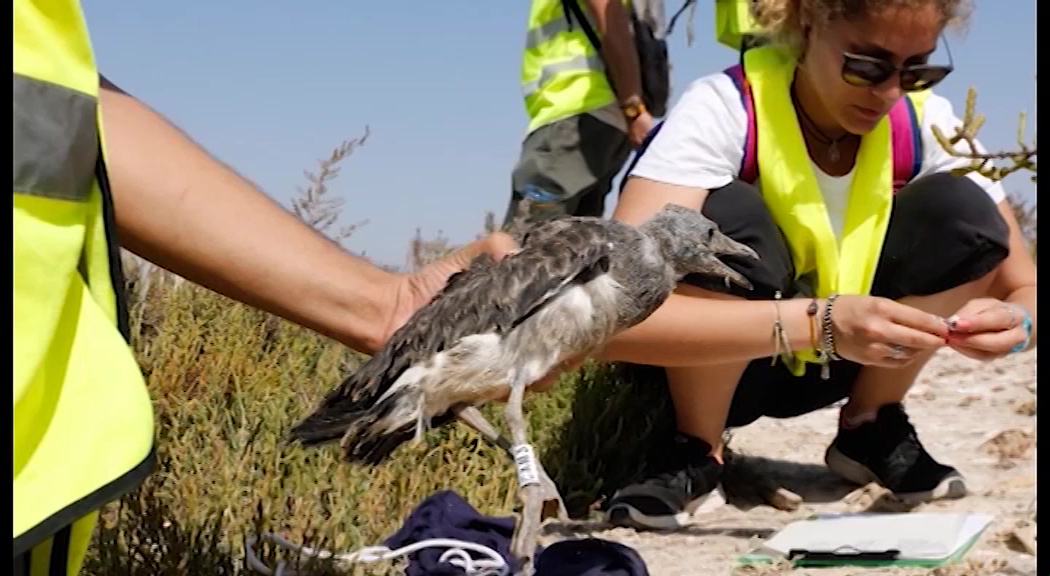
x: 586, y: 109
x: 817, y: 151
x: 95, y: 169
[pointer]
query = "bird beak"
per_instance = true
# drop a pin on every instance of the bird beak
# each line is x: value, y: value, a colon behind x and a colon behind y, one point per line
x: 718, y: 268
x: 725, y: 246
x: 722, y: 245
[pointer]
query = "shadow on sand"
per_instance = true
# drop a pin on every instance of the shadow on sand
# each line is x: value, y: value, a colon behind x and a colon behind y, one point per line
x: 746, y: 476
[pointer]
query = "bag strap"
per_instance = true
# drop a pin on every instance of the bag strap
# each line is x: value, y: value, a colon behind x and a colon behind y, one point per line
x: 639, y: 151
x: 905, y: 130
x: 748, y: 165
x: 574, y: 12
x: 906, y: 134
x: 674, y: 18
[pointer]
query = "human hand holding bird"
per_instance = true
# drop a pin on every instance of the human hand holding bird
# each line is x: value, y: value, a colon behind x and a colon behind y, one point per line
x: 420, y: 287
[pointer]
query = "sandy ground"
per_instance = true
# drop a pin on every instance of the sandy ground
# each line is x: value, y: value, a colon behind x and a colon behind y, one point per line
x: 980, y: 418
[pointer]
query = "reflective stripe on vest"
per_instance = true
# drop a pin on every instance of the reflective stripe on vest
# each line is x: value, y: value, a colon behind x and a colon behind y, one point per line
x: 83, y: 420
x: 549, y: 71
x: 56, y: 140
x: 561, y: 72
x: 790, y: 190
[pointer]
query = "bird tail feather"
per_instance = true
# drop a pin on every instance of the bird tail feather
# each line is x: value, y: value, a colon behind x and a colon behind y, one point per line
x: 367, y: 436
x: 322, y: 428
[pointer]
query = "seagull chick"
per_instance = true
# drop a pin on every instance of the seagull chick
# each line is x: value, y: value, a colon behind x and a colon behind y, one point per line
x: 499, y: 326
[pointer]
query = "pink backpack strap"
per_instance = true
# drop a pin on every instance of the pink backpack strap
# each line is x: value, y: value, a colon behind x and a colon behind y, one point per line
x: 748, y: 166
x: 906, y: 136
x: 906, y: 140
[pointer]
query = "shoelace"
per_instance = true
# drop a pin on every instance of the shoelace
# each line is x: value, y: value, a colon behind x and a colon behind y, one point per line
x: 457, y: 555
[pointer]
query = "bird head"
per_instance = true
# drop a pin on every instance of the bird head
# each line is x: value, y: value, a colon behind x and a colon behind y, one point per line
x: 692, y: 244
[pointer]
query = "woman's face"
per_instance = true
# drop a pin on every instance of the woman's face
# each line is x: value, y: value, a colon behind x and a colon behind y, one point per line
x: 897, y: 36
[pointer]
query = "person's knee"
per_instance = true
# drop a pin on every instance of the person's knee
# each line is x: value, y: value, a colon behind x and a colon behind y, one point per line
x: 945, y: 231
x: 742, y: 214
x: 956, y: 204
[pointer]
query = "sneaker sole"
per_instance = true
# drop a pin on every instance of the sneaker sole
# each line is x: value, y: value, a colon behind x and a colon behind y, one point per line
x: 627, y: 516
x: 952, y: 487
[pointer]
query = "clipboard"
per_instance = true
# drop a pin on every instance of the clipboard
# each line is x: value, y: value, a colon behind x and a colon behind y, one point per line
x: 872, y: 540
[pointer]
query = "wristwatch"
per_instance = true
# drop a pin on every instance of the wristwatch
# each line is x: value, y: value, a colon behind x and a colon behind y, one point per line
x: 633, y: 108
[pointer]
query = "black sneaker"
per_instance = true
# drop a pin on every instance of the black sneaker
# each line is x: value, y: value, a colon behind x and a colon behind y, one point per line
x: 685, y: 478
x: 888, y: 451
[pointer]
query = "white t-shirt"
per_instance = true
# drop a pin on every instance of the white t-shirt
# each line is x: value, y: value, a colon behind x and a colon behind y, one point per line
x: 702, y: 145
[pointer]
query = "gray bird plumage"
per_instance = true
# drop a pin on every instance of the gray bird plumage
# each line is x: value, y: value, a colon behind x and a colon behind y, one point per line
x: 499, y: 326
x: 530, y: 305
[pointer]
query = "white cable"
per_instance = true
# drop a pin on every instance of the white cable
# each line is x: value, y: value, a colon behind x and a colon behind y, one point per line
x: 457, y: 555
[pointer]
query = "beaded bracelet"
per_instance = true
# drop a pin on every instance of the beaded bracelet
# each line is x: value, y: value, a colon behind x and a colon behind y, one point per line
x: 828, y: 352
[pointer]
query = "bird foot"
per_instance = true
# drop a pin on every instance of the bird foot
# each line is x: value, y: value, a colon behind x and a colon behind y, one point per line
x: 534, y: 492
x: 552, y: 503
x: 527, y: 531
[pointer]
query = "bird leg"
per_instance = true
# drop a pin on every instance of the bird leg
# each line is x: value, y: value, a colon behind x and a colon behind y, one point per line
x: 526, y: 533
x: 553, y: 505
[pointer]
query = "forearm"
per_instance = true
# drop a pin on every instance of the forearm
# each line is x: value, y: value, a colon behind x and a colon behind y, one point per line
x: 1015, y: 277
x: 612, y: 24
x: 694, y: 331
x: 180, y: 208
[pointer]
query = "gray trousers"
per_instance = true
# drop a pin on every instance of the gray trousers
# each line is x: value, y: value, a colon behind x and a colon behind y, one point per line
x: 572, y: 162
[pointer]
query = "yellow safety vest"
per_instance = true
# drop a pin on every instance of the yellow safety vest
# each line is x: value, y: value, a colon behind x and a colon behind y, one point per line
x: 733, y: 21
x: 83, y: 420
x: 789, y: 187
x: 561, y: 73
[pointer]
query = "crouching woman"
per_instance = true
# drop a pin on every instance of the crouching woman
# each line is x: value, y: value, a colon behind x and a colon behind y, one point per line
x: 817, y: 151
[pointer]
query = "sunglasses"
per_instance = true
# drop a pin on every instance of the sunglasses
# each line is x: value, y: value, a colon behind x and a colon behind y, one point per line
x: 864, y: 71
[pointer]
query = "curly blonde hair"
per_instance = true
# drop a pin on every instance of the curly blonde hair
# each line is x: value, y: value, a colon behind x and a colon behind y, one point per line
x: 780, y: 21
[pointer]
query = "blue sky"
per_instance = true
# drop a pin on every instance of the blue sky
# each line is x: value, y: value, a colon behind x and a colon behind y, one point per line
x: 271, y: 87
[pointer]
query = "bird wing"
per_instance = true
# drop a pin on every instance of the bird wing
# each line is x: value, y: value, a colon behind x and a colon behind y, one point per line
x: 488, y: 297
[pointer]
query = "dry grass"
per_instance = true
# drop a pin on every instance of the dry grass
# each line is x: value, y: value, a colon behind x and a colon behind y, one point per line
x: 228, y: 380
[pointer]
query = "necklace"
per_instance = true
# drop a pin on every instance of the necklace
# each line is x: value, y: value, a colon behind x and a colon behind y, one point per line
x: 815, y: 131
